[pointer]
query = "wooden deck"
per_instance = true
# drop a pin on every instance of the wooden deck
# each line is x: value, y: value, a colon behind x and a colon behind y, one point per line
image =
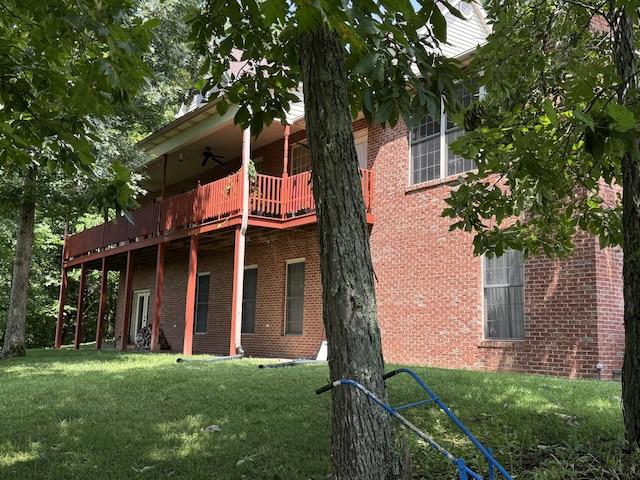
x: 274, y: 202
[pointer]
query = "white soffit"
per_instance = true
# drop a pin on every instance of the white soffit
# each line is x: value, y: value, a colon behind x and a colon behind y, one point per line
x: 188, y: 128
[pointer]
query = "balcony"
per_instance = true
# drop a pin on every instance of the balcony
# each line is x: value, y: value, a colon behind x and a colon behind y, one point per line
x: 274, y: 202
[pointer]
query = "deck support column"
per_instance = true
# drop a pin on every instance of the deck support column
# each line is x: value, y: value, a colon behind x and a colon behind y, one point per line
x: 80, y: 312
x: 61, y: 300
x: 103, y: 303
x: 284, y: 192
x: 128, y: 296
x: 189, y: 314
x: 235, y: 334
x: 236, y: 301
x: 155, y: 327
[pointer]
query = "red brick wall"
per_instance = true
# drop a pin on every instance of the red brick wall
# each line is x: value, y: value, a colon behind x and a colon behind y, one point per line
x: 430, y: 296
x: 270, y: 253
x: 269, y: 339
x: 429, y: 282
x: 561, y: 331
x: 610, y: 310
x: 429, y: 286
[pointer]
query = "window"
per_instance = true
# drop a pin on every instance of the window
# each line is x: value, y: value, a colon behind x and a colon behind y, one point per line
x: 431, y: 158
x: 202, y: 303
x: 295, y: 298
x: 504, y: 296
x: 249, y: 288
x: 300, y: 159
x: 360, y: 138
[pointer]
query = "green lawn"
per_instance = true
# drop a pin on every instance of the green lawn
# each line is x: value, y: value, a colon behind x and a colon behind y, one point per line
x: 109, y: 415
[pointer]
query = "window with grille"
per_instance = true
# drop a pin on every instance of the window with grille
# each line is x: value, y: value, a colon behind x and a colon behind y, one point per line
x: 295, y: 298
x: 504, y: 296
x: 431, y: 158
x: 300, y: 159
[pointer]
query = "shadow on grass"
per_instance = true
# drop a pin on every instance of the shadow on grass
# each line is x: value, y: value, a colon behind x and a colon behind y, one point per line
x: 109, y: 415
x: 151, y: 420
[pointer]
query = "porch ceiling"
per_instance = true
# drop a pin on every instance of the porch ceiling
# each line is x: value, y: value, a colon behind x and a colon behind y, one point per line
x: 185, y: 139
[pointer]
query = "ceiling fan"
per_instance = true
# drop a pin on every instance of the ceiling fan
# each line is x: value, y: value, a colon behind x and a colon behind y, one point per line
x: 208, y: 154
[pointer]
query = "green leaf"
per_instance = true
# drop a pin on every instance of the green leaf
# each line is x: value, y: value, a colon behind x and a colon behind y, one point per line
x: 584, y: 118
x: 439, y: 24
x: 222, y: 107
x: 550, y: 112
x: 624, y: 119
x: 367, y: 63
x: 384, y: 112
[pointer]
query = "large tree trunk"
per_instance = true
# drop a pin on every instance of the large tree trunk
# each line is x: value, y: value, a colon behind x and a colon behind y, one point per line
x: 624, y: 45
x: 14, y: 336
x: 363, y: 441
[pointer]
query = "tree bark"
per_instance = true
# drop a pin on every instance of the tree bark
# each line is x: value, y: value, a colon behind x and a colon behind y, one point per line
x: 626, y: 65
x: 362, y: 438
x: 14, y: 336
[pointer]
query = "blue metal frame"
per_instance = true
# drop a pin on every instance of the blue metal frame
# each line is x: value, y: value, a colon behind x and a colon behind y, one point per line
x: 463, y: 470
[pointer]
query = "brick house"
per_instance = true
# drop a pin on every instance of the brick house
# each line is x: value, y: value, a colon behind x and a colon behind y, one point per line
x: 205, y: 229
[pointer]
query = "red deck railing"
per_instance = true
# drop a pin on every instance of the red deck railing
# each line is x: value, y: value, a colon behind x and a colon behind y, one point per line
x: 271, y: 197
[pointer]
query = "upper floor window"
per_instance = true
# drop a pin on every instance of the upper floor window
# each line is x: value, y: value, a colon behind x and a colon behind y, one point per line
x: 300, y: 159
x: 504, y: 296
x: 360, y: 138
x: 431, y: 158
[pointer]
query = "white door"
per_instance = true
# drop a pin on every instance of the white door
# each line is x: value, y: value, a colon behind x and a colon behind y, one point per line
x: 139, y: 313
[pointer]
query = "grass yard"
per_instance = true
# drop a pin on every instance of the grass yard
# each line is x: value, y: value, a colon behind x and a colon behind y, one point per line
x: 110, y: 415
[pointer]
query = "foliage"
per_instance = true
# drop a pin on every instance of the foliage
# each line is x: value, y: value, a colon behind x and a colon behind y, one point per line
x: 106, y: 414
x: 63, y: 65
x: 174, y: 67
x: 394, y: 67
x: 549, y: 136
x: 64, y: 109
x: 376, y: 57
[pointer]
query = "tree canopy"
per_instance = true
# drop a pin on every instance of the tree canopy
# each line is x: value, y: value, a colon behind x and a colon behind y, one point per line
x: 76, y: 95
x: 381, y: 58
x: 393, y: 62
x: 63, y: 65
x: 556, y: 144
x: 551, y: 131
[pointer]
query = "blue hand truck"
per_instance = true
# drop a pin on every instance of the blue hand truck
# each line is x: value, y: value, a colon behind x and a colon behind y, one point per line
x: 463, y: 470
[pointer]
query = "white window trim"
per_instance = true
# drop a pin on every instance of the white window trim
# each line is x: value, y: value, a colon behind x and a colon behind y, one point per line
x: 444, y: 147
x: 485, y: 338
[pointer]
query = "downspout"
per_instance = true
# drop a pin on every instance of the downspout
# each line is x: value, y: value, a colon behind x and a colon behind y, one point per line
x: 246, y: 157
x: 164, y: 174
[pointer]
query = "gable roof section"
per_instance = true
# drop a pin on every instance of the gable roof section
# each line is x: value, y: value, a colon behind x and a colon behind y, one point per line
x: 201, y: 118
x: 463, y: 36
